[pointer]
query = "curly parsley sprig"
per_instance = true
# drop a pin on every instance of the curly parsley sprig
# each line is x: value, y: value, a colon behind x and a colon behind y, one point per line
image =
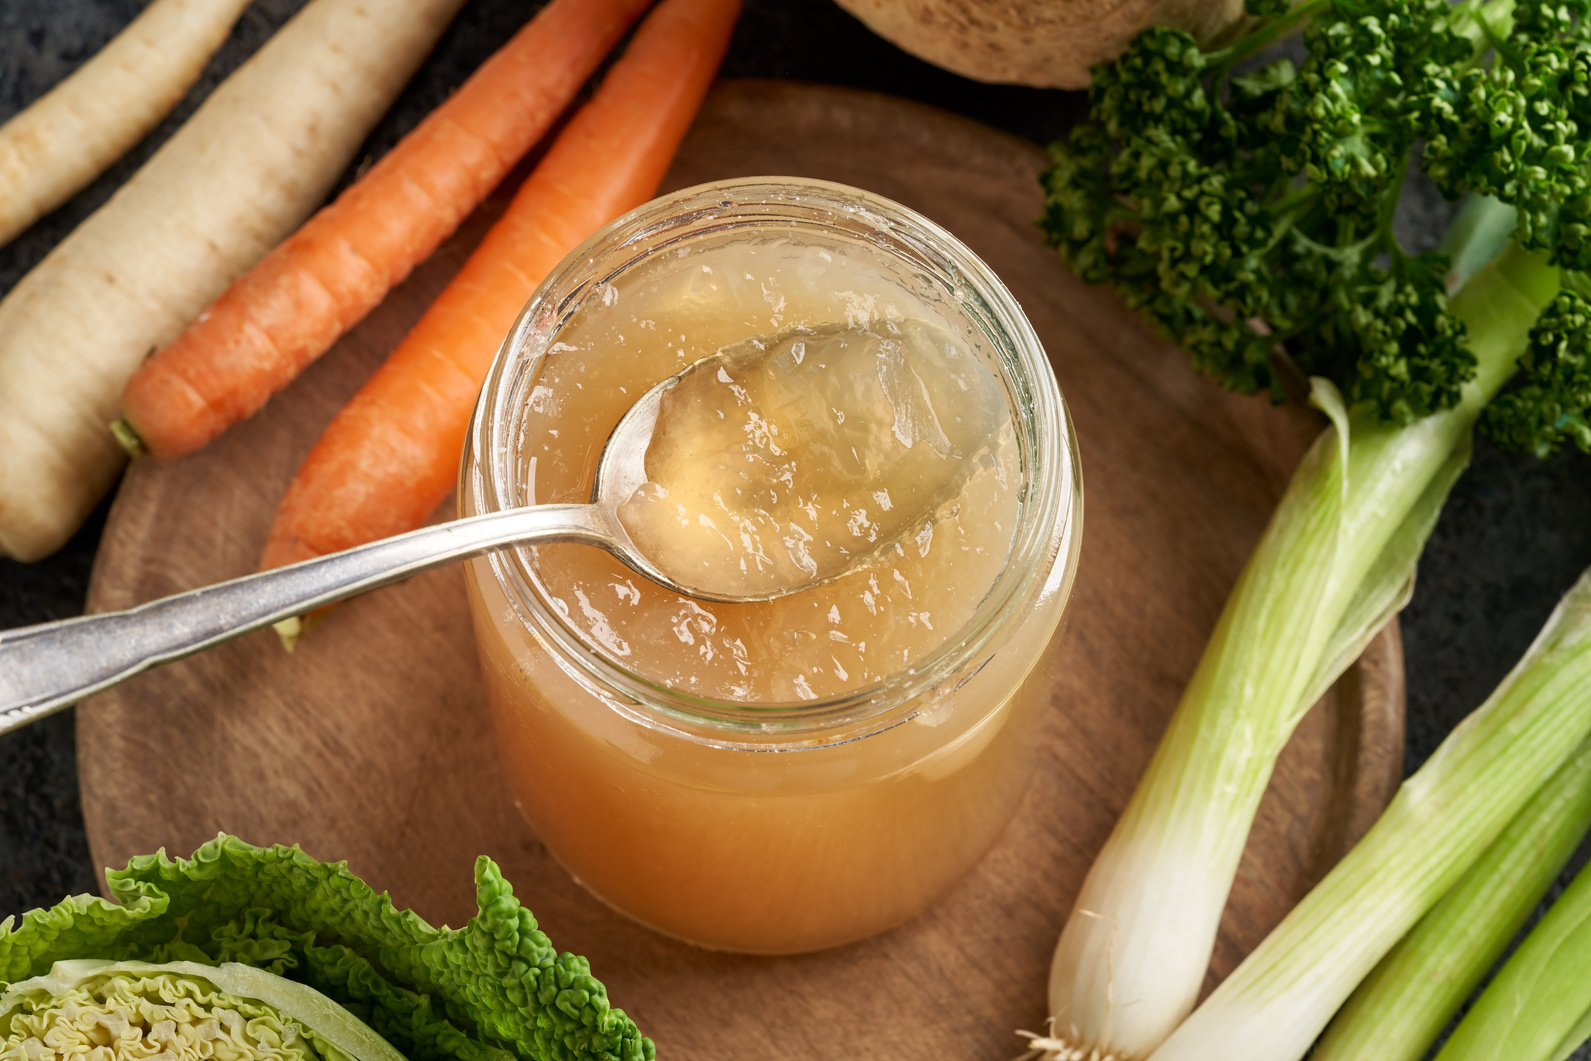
x: 1250, y: 213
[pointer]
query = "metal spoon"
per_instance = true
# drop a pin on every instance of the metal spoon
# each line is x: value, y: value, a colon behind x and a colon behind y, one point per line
x: 53, y: 665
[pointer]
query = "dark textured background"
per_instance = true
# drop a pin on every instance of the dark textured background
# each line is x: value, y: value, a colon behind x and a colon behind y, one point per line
x: 1512, y: 538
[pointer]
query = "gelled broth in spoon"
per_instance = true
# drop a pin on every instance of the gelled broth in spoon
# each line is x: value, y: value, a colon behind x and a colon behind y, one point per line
x: 784, y: 461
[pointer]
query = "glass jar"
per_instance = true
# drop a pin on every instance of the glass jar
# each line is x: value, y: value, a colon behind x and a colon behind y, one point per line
x: 756, y: 822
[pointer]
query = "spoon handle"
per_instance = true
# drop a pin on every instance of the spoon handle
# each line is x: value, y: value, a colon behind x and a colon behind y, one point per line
x: 53, y: 665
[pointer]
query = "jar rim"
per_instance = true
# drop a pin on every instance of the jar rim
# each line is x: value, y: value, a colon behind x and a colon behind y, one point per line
x: 1045, y: 545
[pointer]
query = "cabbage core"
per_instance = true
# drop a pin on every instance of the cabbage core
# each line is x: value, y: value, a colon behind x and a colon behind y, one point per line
x: 181, y: 1011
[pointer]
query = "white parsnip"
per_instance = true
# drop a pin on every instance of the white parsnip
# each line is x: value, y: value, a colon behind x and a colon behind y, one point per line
x: 68, y: 136
x: 259, y: 155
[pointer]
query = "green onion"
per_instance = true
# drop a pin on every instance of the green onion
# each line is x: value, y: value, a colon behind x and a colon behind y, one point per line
x: 1399, y: 1010
x: 1278, y: 1000
x: 1335, y: 563
x: 1539, y: 1006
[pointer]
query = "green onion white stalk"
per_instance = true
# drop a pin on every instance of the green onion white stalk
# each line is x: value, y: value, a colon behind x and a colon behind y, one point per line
x: 1401, y: 1007
x: 1279, y: 999
x: 1539, y: 1006
x: 1335, y: 563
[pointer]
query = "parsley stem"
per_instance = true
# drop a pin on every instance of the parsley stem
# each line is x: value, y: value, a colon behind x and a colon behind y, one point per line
x: 1224, y: 59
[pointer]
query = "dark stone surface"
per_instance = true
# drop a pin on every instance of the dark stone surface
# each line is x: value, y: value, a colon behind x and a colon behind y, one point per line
x: 1514, y: 535
x: 1512, y: 538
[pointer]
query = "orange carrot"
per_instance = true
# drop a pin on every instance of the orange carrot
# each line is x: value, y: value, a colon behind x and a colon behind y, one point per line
x: 391, y: 456
x: 291, y: 307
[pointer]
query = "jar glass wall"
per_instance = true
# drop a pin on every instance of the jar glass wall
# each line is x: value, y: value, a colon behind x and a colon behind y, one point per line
x: 787, y: 776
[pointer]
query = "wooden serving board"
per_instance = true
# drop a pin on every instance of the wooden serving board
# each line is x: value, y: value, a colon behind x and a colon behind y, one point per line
x: 372, y: 743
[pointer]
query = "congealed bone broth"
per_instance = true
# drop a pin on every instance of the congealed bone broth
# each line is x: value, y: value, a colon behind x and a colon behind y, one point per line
x: 812, y: 497
x: 788, y: 460
x: 847, y: 426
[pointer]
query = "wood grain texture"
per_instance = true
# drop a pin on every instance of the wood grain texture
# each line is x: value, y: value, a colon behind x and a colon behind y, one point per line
x: 372, y: 742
